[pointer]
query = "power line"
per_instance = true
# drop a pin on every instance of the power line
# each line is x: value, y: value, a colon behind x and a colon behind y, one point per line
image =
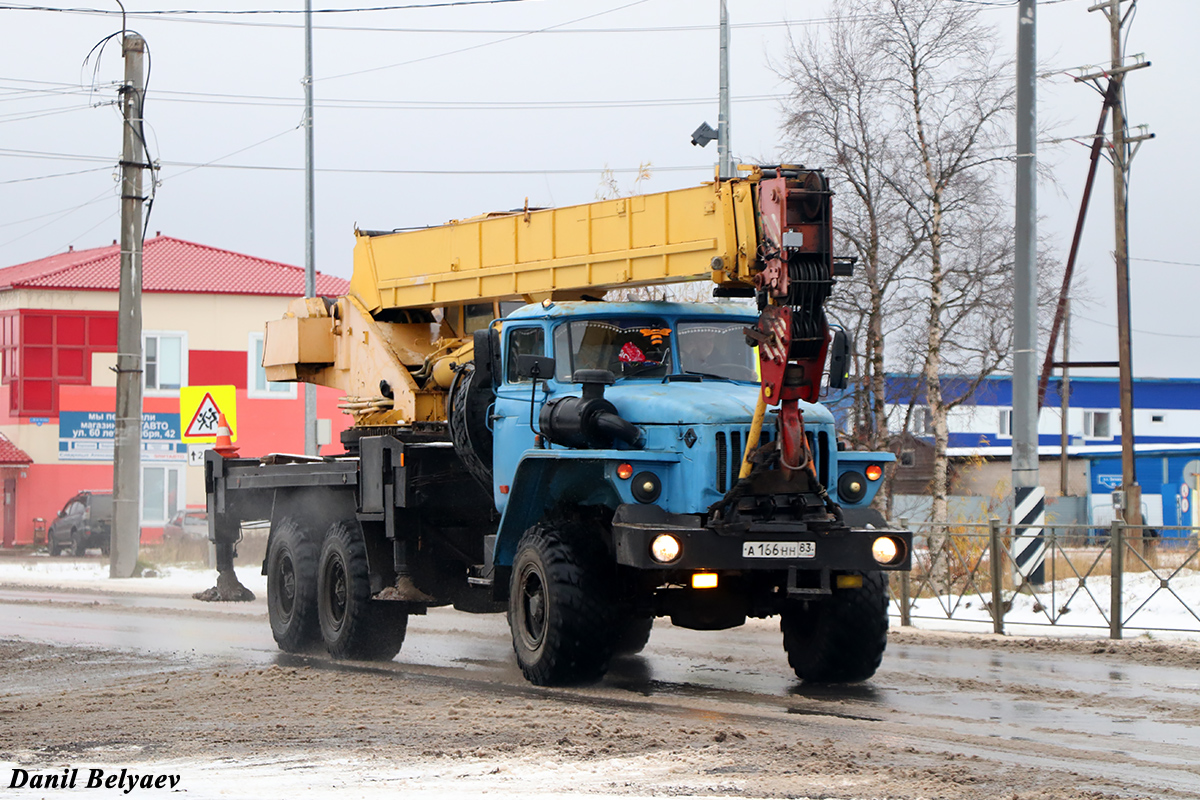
x: 55, y: 175
x: 268, y: 101
x: 1161, y: 261
x: 258, y: 11
x: 1139, y: 330
x: 481, y: 45
x: 357, y: 171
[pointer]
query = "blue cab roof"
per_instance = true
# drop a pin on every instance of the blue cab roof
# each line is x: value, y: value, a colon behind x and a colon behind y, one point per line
x: 582, y: 308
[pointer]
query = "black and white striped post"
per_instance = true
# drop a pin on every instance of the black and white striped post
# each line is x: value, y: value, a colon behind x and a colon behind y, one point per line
x: 1028, y: 538
x: 1029, y: 498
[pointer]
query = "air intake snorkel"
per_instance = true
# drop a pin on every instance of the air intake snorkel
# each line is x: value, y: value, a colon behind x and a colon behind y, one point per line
x: 590, y: 421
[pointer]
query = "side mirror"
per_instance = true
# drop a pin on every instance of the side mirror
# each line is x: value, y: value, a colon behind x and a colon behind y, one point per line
x: 839, y: 360
x: 60, y: 513
x: 537, y: 367
x: 483, y: 356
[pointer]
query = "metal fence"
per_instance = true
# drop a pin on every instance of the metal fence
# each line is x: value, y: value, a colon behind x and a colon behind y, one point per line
x: 1118, y: 577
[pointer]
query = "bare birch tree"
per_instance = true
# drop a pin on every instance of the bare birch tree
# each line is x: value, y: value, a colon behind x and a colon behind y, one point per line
x: 914, y: 107
x: 959, y: 98
x: 839, y: 118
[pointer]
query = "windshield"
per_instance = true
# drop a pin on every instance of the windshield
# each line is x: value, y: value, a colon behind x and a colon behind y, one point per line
x: 641, y: 348
x: 717, y: 349
x: 633, y: 347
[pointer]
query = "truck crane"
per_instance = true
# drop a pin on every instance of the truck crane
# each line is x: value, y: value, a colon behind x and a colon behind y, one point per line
x: 521, y: 445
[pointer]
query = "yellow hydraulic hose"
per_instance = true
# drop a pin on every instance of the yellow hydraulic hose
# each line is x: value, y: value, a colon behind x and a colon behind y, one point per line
x: 760, y: 411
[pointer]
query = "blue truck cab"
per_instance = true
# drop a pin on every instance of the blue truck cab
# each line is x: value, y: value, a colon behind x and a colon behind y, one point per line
x: 653, y: 486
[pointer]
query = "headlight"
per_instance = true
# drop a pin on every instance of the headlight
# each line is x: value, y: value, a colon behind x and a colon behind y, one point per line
x: 887, y: 551
x: 665, y: 548
x: 646, y: 487
x: 852, y: 487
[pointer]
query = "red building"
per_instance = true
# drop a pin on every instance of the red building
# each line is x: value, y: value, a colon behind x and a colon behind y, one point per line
x: 203, y: 315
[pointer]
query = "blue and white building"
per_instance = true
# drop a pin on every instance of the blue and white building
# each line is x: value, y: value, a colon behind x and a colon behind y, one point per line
x: 1166, y: 429
x: 1166, y: 411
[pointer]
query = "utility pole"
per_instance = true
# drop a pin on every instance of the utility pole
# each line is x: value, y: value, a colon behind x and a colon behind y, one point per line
x: 1064, y: 395
x: 723, y: 153
x: 1121, y: 156
x: 127, y: 436
x: 1029, y: 498
x: 310, y: 267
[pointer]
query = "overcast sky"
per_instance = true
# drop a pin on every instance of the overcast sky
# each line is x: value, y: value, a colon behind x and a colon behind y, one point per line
x: 424, y: 115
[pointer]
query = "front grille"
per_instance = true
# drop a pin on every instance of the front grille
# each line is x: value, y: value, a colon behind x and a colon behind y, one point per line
x: 730, y: 448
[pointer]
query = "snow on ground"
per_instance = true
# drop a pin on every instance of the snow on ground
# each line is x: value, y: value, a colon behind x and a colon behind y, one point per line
x: 92, y: 575
x: 328, y: 777
x: 1149, y: 608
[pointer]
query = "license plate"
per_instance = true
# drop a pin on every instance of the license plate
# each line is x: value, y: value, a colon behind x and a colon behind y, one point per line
x: 779, y: 549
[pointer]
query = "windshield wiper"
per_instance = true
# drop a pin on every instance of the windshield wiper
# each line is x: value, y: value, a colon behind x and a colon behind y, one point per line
x: 687, y: 374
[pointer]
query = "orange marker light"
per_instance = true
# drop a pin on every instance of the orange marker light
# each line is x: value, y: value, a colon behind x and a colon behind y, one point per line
x: 704, y: 580
x: 874, y: 472
x: 503, y: 488
x: 625, y: 471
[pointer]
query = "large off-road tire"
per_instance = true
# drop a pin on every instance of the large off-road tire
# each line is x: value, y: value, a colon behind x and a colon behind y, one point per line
x: 559, y: 609
x: 352, y: 624
x: 292, y: 586
x: 840, y: 639
x: 631, y: 635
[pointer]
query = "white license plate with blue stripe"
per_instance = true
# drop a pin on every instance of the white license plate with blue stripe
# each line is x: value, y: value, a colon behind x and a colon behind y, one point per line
x: 779, y: 549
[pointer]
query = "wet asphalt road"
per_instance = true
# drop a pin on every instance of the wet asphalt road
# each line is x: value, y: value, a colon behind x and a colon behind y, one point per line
x: 1134, y: 724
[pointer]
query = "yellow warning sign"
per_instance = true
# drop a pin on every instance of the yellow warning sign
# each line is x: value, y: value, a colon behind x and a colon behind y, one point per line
x: 200, y: 407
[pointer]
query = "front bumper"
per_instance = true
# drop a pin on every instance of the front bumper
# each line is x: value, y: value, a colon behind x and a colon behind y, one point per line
x: 837, y: 548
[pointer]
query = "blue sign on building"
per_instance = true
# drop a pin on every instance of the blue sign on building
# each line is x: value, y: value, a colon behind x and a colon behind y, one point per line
x: 1168, y: 478
x: 88, y: 436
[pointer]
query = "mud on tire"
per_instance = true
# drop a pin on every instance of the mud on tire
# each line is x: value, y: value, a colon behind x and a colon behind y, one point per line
x: 292, y: 586
x: 631, y: 634
x: 352, y: 624
x: 558, y: 605
x: 840, y: 639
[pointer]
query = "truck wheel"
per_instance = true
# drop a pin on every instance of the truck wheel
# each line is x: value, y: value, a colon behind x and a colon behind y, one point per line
x: 840, y: 639
x: 631, y: 635
x: 51, y: 548
x: 292, y: 587
x: 558, y: 605
x: 352, y: 624
x: 77, y: 545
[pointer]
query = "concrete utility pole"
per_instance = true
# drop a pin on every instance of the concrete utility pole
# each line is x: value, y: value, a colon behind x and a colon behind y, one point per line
x: 310, y: 266
x: 127, y: 441
x: 723, y: 154
x: 1029, y: 504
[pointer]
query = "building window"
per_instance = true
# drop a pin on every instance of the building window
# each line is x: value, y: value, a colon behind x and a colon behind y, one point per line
x: 1097, y: 424
x: 161, y: 493
x: 164, y: 364
x: 257, y: 385
x: 908, y: 458
x: 922, y: 420
x: 1158, y: 417
x: 1005, y: 424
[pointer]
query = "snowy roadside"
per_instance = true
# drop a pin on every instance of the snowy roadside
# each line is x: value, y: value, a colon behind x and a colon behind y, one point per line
x: 1077, y: 609
x: 1150, y: 610
x: 91, y: 575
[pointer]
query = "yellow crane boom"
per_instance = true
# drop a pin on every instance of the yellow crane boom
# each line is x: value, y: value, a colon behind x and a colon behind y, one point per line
x: 407, y: 319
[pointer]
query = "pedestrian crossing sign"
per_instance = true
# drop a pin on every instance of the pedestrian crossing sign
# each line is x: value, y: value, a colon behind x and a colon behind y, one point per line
x: 201, y: 406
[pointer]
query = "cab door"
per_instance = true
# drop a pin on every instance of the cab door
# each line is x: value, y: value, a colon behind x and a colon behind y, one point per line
x: 512, y: 433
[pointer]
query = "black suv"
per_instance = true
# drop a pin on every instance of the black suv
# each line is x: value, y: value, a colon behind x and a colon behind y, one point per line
x: 85, y: 521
